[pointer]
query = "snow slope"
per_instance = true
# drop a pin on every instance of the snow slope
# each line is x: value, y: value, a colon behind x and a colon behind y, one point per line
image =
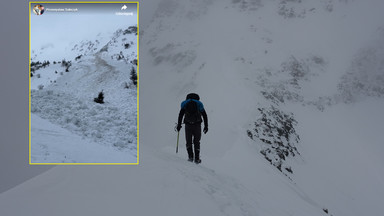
x: 52, y: 142
x: 163, y: 184
x: 230, y: 52
x: 343, y: 157
x: 64, y: 93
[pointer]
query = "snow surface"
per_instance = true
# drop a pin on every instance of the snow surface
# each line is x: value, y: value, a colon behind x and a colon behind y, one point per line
x: 63, y: 93
x: 343, y: 154
x: 221, y: 50
x: 52, y: 143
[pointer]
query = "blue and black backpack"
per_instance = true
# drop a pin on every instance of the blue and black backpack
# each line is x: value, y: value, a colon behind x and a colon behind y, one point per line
x: 192, y: 112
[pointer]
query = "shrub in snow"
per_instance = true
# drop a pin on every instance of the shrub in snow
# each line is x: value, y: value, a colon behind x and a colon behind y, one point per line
x: 40, y: 87
x: 66, y: 64
x: 78, y: 57
x: 133, y: 76
x: 100, y: 98
x: 37, y: 65
x: 38, y: 75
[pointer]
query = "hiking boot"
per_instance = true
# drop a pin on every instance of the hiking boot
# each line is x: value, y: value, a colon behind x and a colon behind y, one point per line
x: 197, y: 160
x: 190, y: 159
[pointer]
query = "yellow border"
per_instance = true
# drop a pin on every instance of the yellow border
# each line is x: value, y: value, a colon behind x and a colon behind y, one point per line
x: 138, y: 84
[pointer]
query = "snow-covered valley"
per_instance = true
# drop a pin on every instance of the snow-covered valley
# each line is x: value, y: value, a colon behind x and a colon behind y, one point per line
x: 293, y: 91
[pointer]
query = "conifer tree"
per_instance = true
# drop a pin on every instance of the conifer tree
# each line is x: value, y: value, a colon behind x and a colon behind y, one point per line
x: 133, y: 76
x: 100, y: 98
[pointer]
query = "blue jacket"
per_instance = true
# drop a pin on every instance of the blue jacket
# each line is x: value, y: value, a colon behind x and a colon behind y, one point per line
x: 200, y: 106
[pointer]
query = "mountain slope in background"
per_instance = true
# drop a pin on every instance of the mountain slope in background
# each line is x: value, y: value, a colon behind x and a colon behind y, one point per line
x: 287, y: 62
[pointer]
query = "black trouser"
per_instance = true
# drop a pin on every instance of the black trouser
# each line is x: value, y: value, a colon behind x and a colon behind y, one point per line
x: 193, y: 131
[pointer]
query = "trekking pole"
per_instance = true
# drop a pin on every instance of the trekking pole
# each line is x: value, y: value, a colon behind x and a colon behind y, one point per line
x: 177, y: 145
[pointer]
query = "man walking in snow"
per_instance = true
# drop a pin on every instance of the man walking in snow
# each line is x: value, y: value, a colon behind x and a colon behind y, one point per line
x: 192, y: 110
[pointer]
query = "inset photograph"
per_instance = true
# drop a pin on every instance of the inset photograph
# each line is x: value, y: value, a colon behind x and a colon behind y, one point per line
x: 84, y: 83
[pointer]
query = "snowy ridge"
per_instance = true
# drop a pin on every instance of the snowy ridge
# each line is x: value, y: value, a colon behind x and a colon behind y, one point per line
x: 122, y: 38
x: 160, y: 175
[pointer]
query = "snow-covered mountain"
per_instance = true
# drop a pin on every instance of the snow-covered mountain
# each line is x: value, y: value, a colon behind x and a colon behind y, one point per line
x: 293, y: 94
x: 63, y: 92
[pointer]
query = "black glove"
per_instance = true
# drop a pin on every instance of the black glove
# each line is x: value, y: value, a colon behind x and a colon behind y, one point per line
x: 205, y: 130
x: 178, y: 127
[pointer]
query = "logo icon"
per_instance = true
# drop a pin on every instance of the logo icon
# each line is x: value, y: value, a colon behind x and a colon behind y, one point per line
x: 124, y: 7
x: 38, y: 9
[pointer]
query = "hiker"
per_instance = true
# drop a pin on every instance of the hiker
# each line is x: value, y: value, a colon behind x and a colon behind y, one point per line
x: 192, y: 110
